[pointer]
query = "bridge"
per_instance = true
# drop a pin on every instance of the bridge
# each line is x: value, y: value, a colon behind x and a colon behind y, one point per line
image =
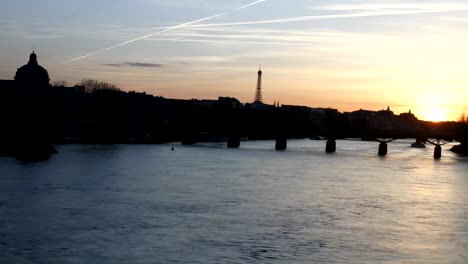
x: 437, y: 139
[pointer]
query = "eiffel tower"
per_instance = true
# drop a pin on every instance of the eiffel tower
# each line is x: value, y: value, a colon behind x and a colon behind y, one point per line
x: 258, y: 93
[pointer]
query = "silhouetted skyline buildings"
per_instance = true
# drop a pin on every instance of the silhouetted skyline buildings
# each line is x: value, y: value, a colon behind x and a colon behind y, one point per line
x: 26, y: 113
x: 36, y: 115
x: 33, y: 72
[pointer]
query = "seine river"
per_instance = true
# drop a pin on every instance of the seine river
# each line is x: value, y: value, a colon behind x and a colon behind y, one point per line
x: 208, y: 204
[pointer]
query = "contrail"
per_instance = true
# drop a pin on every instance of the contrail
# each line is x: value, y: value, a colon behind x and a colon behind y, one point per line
x: 166, y: 30
x: 247, y: 5
x: 322, y: 17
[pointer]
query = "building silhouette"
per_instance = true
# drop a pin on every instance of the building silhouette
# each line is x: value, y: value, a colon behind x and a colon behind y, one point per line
x: 32, y: 74
x: 30, y: 123
x: 34, y: 114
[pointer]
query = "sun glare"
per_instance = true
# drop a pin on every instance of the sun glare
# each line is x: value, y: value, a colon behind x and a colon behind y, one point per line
x: 435, y: 114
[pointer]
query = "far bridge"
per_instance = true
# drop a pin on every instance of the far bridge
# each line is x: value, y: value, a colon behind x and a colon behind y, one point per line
x: 383, y: 137
x: 437, y: 139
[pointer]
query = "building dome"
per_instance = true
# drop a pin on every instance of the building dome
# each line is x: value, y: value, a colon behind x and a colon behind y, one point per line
x: 32, y: 73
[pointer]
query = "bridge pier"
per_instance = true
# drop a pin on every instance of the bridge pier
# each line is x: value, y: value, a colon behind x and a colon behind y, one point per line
x: 437, y: 152
x: 331, y: 146
x: 438, y: 143
x: 281, y: 143
x: 233, y: 142
x: 383, y: 149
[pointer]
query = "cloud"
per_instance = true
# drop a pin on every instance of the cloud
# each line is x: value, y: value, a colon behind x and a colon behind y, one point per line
x: 263, y: 36
x: 228, y: 41
x: 449, y: 6
x: 454, y: 19
x: 370, y: 13
x: 357, y: 10
x: 136, y: 64
x: 11, y: 27
x: 113, y: 64
x: 204, y: 59
x: 144, y: 64
x: 202, y: 4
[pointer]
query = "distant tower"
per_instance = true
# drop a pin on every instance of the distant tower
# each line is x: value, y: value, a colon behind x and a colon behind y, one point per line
x: 258, y: 93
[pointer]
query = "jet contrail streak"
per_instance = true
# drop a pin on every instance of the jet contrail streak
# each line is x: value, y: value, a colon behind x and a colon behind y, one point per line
x: 321, y: 17
x: 251, y: 4
x: 165, y: 30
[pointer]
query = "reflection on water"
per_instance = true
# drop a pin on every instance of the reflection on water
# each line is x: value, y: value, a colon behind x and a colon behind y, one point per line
x: 209, y: 204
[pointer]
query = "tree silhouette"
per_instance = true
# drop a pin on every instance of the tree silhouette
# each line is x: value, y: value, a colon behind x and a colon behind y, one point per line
x: 58, y: 83
x: 92, y: 86
x: 463, y: 118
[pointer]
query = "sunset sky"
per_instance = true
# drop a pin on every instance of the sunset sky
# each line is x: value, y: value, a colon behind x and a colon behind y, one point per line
x: 341, y: 54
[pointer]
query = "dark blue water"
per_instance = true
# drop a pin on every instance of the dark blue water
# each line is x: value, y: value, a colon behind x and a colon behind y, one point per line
x: 209, y: 204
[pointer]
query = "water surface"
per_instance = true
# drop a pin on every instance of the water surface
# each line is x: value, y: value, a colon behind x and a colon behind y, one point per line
x: 209, y: 204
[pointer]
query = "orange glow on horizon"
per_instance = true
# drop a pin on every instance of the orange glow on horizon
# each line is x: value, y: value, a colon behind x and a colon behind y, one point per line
x: 435, y: 115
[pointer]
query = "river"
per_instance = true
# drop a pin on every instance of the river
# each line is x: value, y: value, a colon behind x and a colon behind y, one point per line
x: 209, y: 204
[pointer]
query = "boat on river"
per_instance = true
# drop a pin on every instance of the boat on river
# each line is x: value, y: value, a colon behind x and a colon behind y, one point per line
x: 418, y: 144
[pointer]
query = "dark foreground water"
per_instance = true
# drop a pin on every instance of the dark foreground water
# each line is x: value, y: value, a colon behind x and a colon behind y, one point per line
x: 208, y: 204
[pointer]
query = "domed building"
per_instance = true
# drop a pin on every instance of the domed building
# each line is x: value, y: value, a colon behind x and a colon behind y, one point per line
x: 32, y: 74
x: 31, y: 114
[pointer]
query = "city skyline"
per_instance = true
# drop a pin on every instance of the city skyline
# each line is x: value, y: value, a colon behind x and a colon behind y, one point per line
x: 340, y: 54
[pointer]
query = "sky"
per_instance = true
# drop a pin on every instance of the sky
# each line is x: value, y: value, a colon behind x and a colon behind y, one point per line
x: 349, y: 55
